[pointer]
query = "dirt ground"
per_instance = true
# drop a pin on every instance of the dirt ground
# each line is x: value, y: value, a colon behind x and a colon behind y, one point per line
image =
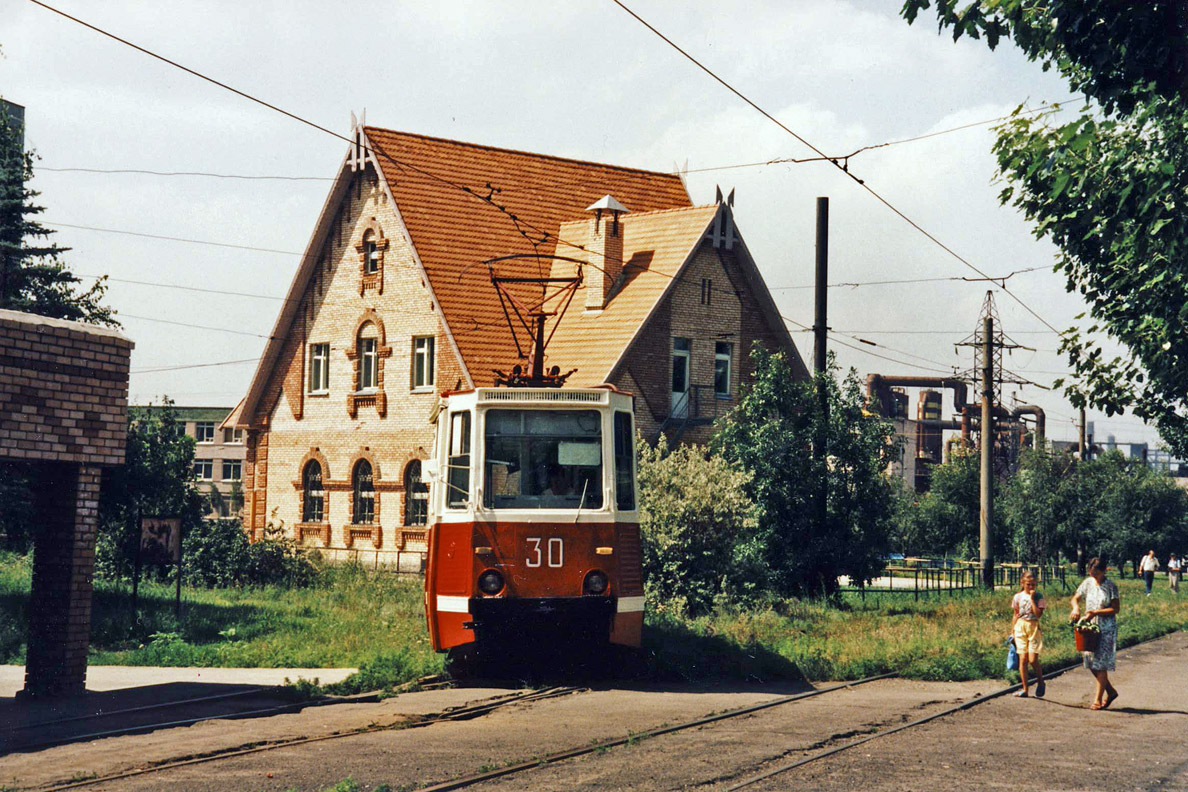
x: 1050, y: 744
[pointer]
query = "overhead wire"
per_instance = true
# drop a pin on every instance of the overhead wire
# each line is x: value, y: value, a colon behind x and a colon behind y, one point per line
x: 519, y: 223
x: 910, y: 280
x: 377, y: 151
x: 1049, y: 109
x: 245, y: 177
x: 843, y: 168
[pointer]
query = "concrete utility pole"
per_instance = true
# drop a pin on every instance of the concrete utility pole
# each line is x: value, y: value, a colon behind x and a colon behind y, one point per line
x: 986, y: 522
x: 820, y: 326
x: 1081, y: 438
x: 820, y: 329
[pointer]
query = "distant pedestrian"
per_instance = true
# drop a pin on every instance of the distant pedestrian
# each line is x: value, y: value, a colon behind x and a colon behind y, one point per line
x: 1027, y: 606
x: 1100, y: 596
x: 1148, y: 567
x: 1174, y: 569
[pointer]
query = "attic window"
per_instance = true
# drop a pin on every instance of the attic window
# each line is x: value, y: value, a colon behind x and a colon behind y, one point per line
x: 707, y: 291
x: 371, y: 256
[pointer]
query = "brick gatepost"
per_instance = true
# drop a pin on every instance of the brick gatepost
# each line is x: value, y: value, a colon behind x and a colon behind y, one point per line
x: 64, y: 412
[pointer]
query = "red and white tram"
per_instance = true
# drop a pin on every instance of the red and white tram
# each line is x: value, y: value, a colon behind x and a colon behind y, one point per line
x: 534, y: 521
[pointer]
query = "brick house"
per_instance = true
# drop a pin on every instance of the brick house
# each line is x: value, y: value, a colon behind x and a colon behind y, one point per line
x: 393, y: 303
x: 218, y: 454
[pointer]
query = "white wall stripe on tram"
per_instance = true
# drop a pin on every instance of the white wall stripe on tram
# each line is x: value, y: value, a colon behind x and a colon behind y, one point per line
x: 630, y: 604
x: 456, y: 604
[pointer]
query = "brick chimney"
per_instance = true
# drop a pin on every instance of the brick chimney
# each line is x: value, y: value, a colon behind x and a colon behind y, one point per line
x: 605, y: 251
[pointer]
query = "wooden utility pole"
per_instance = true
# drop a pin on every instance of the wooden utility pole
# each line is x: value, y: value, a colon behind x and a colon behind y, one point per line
x: 986, y: 521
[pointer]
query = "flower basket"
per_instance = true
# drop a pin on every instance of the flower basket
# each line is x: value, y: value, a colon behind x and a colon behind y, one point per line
x: 1087, y: 640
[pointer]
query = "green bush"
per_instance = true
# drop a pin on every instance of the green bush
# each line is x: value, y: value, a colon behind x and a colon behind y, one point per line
x: 694, y: 513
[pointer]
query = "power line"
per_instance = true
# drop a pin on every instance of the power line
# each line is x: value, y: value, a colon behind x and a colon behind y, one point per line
x: 195, y: 326
x: 170, y: 238
x: 193, y: 366
x: 912, y: 280
x: 843, y: 168
x: 186, y: 173
x: 1053, y: 108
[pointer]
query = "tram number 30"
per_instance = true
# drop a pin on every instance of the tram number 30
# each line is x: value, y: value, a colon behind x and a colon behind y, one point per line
x: 552, y: 553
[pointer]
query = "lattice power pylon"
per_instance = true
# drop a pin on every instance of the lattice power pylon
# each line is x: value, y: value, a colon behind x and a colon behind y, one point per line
x: 1007, y: 453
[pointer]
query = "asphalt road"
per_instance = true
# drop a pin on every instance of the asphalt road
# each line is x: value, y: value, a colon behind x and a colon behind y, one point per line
x: 1006, y: 743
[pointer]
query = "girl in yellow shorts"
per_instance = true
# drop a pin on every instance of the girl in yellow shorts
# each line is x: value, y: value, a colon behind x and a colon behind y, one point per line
x: 1027, y: 606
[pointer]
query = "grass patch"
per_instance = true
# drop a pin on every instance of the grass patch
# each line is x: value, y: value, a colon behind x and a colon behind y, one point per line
x: 352, y: 618
x: 375, y: 621
x: 940, y: 638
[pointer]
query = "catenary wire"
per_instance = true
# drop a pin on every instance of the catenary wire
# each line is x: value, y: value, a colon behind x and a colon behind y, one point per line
x: 1055, y: 107
x: 844, y: 169
x: 170, y: 238
x: 518, y: 222
x: 910, y: 280
x: 144, y: 172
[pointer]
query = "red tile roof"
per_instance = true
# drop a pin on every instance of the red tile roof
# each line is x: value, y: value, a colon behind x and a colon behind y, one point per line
x: 530, y: 197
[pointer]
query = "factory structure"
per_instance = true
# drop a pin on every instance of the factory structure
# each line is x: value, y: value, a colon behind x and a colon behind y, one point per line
x: 930, y: 438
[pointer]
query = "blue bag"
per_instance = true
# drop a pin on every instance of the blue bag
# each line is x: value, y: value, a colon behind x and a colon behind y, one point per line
x: 1012, y: 656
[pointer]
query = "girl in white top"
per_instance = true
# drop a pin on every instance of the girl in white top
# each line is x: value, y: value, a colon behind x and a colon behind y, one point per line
x: 1027, y: 606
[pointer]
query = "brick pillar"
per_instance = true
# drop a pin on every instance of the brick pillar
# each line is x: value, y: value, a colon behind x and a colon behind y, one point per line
x: 63, y: 562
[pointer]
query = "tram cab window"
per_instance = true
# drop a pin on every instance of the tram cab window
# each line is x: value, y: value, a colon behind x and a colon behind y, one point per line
x: 543, y: 459
x: 458, y: 462
x: 624, y: 462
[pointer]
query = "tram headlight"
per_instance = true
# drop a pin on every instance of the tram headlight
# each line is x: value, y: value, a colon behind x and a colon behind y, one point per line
x: 490, y: 582
x: 595, y: 583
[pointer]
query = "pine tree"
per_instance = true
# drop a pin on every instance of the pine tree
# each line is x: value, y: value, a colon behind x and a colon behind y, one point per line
x: 33, y: 277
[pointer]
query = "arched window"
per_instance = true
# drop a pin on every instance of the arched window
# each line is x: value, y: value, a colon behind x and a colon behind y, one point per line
x: 363, y: 485
x: 313, y: 501
x: 367, y: 350
x: 416, y: 495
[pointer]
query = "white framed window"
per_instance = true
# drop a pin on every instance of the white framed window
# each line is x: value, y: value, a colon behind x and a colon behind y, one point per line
x: 204, y: 469
x: 204, y: 431
x: 370, y: 255
x: 368, y: 365
x: 422, y: 364
x: 319, y: 368
x: 232, y: 470
x: 723, y: 351
x: 232, y: 437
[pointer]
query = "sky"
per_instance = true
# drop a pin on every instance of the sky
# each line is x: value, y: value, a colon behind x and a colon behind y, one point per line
x: 575, y: 79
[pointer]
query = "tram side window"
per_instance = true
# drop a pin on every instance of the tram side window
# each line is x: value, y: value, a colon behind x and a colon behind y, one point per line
x: 624, y: 463
x: 543, y: 459
x: 458, y: 464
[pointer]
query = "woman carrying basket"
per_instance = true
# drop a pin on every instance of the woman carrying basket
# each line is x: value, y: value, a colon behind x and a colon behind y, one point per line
x: 1100, y: 595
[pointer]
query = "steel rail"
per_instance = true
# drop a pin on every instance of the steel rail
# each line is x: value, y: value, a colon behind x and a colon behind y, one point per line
x: 460, y: 713
x: 145, y: 708
x: 919, y: 722
x: 478, y: 778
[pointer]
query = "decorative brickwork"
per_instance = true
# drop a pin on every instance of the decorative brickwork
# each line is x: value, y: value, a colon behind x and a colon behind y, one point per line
x: 63, y: 391
x: 63, y: 409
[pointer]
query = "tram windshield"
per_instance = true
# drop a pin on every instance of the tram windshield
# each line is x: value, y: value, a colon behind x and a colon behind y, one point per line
x: 543, y: 459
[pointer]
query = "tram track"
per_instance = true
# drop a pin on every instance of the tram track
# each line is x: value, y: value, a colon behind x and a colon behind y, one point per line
x: 737, y: 781
x: 452, y: 714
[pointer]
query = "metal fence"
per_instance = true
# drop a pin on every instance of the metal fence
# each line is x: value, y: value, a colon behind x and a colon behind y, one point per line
x: 934, y: 577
